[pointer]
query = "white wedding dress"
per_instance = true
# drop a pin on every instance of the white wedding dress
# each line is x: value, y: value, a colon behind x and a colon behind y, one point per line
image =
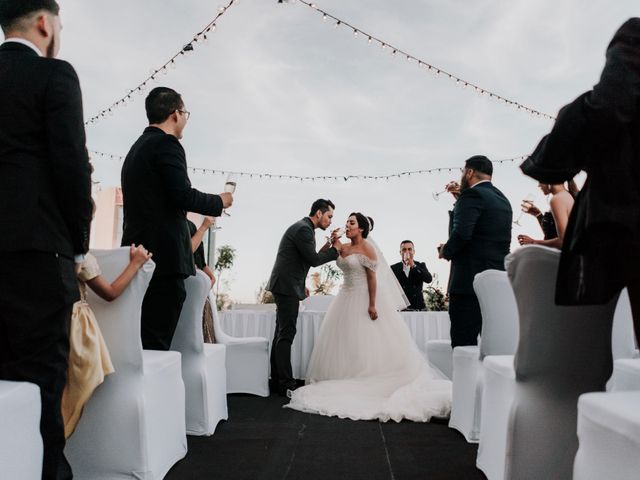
x: 366, y: 369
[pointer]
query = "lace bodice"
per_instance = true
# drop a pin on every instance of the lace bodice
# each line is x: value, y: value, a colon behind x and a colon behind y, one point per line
x: 353, y: 266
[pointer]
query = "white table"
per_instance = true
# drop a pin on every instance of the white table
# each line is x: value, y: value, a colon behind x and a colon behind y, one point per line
x: 424, y: 326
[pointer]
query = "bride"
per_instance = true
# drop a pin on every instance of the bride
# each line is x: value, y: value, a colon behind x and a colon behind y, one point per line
x: 365, y: 364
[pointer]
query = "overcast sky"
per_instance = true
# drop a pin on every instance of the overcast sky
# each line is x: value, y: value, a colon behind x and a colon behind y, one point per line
x: 277, y: 89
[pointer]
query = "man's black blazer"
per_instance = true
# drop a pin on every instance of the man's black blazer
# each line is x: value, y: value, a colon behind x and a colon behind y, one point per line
x: 157, y: 195
x: 45, y: 178
x: 480, y: 235
x: 296, y: 254
x: 412, y: 285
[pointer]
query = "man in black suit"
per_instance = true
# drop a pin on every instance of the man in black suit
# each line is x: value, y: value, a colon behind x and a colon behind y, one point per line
x: 157, y: 195
x: 411, y: 275
x: 479, y: 239
x: 45, y: 193
x: 296, y: 254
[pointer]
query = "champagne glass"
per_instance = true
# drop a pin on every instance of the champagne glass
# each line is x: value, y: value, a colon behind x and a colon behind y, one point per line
x: 230, y: 187
x: 529, y: 200
x: 339, y: 233
x: 449, y: 187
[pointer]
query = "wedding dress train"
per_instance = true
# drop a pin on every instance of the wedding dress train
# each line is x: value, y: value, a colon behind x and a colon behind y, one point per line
x: 366, y: 369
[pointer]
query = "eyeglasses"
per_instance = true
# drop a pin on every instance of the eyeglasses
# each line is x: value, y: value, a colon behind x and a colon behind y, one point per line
x: 185, y: 112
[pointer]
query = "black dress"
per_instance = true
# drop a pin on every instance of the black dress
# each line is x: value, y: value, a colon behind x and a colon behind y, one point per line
x: 548, y: 225
x: 207, y: 314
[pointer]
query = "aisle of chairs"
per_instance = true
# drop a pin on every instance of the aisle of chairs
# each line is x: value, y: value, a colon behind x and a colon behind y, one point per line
x: 538, y: 394
x: 135, y: 424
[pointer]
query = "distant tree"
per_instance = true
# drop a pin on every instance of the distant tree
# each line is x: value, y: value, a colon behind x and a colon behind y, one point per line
x: 225, y: 257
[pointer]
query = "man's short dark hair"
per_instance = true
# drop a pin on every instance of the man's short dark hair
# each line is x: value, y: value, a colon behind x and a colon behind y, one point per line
x: 406, y: 241
x: 322, y: 205
x: 162, y: 102
x: 479, y: 163
x: 11, y: 11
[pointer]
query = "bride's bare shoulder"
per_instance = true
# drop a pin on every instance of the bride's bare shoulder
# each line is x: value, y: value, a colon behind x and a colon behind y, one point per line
x: 369, y: 251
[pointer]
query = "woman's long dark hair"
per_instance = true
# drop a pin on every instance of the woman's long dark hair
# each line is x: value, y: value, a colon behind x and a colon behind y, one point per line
x: 365, y: 223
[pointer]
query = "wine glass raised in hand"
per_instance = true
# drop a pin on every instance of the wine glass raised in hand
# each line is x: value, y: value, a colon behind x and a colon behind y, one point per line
x: 230, y: 187
x: 452, y: 187
x: 526, y: 203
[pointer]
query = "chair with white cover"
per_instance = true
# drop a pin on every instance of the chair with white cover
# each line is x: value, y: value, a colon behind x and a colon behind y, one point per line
x: 203, y: 364
x: 499, y: 337
x: 499, y: 389
x: 440, y: 356
x: 20, y: 440
x: 247, y: 359
x: 134, y: 424
x: 563, y: 352
x: 626, y: 375
x: 609, y: 434
x: 317, y: 303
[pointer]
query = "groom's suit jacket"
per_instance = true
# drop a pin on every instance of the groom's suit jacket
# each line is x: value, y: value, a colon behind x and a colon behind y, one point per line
x: 296, y: 254
x: 479, y: 237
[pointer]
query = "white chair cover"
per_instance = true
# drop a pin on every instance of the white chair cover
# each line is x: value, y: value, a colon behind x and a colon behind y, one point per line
x: 626, y: 375
x: 609, y: 433
x: 203, y: 365
x: 20, y: 440
x: 562, y: 352
x: 247, y: 360
x: 317, y: 303
x: 623, y: 344
x: 497, y: 398
x: 440, y: 356
x: 499, y: 337
x: 134, y: 424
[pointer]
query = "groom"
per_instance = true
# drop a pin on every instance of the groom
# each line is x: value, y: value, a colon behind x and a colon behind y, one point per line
x: 296, y: 254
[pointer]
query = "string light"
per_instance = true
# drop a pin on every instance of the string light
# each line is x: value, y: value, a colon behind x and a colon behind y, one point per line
x: 170, y: 64
x: 462, y: 83
x: 301, y: 178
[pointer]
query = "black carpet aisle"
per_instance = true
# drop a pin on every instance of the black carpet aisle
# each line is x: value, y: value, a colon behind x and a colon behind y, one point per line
x: 261, y: 440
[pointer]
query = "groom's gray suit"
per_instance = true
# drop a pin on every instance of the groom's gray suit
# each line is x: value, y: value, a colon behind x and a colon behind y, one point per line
x: 296, y: 254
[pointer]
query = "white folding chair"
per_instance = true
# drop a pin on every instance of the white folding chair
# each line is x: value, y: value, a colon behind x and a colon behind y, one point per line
x: 203, y: 364
x: 247, y: 360
x: 499, y: 337
x: 134, y: 424
x: 20, y: 440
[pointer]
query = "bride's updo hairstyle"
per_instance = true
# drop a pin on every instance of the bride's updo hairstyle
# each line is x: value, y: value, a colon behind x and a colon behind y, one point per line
x: 365, y: 223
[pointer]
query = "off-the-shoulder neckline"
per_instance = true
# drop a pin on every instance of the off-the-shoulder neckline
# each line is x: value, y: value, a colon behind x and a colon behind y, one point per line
x: 361, y: 254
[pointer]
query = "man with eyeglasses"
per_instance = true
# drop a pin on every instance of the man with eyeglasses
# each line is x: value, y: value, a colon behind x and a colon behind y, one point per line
x: 479, y: 239
x: 157, y: 195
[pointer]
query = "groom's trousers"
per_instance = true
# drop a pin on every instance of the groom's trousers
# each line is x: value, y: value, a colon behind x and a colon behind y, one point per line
x: 286, y: 320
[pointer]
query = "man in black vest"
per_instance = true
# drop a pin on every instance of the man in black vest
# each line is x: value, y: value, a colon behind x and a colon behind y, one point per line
x: 479, y: 239
x: 296, y: 254
x: 45, y: 193
x: 157, y: 195
x: 411, y: 274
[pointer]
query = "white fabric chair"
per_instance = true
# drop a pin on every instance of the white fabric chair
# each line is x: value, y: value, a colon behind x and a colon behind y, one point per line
x: 440, y: 356
x: 609, y: 434
x: 497, y: 398
x: 134, y: 424
x: 247, y: 360
x: 203, y: 364
x: 499, y: 388
x: 626, y: 375
x: 317, y: 303
x: 20, y: 440
x: 563, y: 352
x: 499, y: 337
